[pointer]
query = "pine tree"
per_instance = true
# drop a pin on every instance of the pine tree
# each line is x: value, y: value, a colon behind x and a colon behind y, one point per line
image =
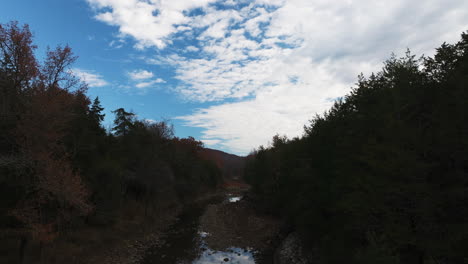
x: 123, y: 122
x: 96, y: 111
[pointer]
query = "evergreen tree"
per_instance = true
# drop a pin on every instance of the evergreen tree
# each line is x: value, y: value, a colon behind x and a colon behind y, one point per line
x: 96, y: 111
x: 124, y: 121
x: 381, y: 177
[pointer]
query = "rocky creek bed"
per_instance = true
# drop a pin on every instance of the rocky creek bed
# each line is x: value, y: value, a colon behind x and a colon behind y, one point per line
x: 221, y: 229
x: 238, y: 225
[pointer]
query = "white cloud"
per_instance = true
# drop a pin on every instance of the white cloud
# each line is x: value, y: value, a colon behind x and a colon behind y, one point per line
x: 284, y: 110
x: 151, y: 121
x: 211, y: 142
x: 89, y: 77
x: 192, y: 48
x: 151, y: 22
x: 147, y: 84
x: 117, y: 44
x: 140, y: 75
x: 143, y: 79
x: 282, y: 60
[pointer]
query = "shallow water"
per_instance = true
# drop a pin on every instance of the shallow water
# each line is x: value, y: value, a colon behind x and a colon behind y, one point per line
x: 184, y: 243
x: 233, y: 199
x: 232, y: 255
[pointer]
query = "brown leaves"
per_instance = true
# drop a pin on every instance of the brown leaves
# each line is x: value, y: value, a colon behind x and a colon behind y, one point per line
x: 17, y: 54
x: 54, y: 71
x: 58, y: 179
x: 40, y: 134
x: 30, y: 214
x: 55, y: 192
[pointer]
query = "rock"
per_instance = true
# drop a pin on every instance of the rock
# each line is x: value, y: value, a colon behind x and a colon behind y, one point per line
x: 226, y: 259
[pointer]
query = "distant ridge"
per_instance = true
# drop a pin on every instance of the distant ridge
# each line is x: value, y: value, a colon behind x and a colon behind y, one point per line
x: 231, y: 166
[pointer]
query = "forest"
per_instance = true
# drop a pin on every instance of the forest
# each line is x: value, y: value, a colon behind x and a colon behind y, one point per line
x: 381, y: 177
x: 60, y: 170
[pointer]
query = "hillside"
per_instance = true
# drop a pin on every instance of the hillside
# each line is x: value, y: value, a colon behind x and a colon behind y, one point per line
x: 231, y: 165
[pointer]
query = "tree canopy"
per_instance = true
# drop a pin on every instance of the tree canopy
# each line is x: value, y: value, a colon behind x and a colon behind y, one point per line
x: 60, y: 169
x: 382, y: 176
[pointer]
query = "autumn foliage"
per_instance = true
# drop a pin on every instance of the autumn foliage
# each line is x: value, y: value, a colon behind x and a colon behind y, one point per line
x: 38, y: 104
x: 61, y: 171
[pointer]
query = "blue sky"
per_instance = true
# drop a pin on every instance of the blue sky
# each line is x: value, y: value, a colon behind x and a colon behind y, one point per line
x: 233, y: 73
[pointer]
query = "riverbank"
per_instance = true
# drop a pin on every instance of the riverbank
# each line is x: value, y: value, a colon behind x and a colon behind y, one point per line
x: 135, y: 229
x: 219, y: 224
x: 227, y: 229
x: 122, y: 242
x: 145, y: 232
x: 153, y: 233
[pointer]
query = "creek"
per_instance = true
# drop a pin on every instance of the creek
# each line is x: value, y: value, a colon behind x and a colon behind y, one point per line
x: 184, y: 241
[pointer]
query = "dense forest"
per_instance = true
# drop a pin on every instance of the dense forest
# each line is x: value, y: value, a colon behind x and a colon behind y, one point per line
x: 381, y: 177
x: 61, y: 170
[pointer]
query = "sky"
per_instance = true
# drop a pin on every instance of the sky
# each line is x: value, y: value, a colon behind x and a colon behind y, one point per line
x: 233, y: 73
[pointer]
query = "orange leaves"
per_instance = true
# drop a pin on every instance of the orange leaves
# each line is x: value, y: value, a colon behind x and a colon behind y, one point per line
x: 54, y: 192
x: 54, y: 71
x: 41, y: 133
x: 17, y: 54
x: 57, y: 178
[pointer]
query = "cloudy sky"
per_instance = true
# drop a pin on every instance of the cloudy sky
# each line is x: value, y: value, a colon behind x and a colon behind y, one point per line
x: 233, y: 73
